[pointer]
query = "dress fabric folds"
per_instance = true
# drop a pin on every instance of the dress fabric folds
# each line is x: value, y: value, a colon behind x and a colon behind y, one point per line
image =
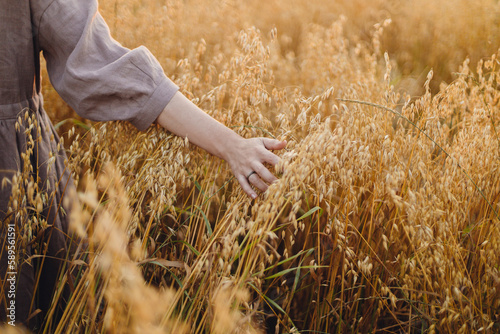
x: 101, y: 80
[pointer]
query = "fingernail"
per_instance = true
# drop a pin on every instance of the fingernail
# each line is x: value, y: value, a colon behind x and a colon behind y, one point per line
x: 254, y: 196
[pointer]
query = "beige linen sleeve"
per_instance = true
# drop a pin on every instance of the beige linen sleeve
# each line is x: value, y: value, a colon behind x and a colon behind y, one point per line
x: 100, y: 79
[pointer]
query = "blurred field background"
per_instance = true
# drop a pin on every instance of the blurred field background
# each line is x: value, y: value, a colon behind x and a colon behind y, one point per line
x: 386, y: 217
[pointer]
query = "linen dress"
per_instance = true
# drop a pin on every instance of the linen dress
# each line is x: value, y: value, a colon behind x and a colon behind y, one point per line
x: 100, y: 80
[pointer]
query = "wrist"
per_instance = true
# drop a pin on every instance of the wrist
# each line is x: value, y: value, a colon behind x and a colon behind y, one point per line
x: 229, y: 145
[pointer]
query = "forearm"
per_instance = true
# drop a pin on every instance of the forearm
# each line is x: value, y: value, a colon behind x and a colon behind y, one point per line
x: 185, y: 119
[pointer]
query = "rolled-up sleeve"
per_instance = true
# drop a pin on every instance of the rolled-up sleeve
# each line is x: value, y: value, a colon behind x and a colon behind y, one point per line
x: 99, y: 78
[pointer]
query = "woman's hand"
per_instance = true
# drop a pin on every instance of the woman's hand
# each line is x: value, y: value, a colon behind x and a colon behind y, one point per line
x: 246, y: 157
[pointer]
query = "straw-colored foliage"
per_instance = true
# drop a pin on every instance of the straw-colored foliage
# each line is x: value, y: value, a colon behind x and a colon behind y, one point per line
x: 386, y: 214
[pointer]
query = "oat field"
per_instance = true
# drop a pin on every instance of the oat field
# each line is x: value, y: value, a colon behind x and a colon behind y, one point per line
x: 386, y: 215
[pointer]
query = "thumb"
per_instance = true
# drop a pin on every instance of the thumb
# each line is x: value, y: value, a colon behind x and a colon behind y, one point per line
x: 273, y: 144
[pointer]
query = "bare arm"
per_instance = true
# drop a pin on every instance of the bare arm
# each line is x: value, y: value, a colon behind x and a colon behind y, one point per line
x: 244, y: 156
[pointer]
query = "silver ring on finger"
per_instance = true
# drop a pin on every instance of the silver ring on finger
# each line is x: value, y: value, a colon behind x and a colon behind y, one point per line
x: 248, y: 177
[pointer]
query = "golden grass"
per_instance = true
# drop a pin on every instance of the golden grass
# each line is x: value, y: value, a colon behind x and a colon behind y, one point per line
x: 386, y: 216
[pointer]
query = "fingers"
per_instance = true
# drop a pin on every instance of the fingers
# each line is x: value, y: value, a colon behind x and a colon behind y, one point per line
x: 273, y: 144
x: 257, y: 182
x: 246, y: 186
x: 271, y: 158
x: 262, y: 177
x: 264, y: 174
